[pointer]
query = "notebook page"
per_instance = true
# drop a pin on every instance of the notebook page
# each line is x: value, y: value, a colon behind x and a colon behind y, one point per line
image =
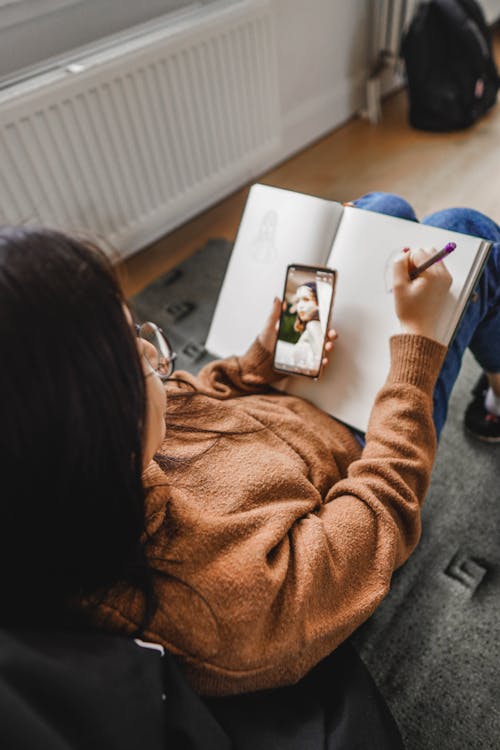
x: 363, y: 311
x: 278, y: 227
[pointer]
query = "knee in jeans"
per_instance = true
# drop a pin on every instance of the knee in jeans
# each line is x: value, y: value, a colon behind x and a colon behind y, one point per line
x: 465, y: 220
x: 386, y: 203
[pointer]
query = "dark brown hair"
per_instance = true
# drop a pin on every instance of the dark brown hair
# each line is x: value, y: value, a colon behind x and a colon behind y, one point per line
x: 72, y: 400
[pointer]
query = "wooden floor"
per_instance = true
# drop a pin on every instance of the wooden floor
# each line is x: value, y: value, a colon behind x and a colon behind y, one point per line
x: 431, y: 170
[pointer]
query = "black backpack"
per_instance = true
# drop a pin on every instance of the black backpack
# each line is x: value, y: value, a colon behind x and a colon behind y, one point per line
x: 452, y: 76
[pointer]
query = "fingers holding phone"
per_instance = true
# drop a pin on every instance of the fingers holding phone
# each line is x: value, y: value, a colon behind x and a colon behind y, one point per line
x: 267, y: 337
x: 330, y: 343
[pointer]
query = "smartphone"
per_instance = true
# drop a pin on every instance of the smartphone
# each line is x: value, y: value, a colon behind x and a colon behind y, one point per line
x: 305, y: 320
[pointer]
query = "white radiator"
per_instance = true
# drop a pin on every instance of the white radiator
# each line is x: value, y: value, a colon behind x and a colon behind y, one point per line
x: 129, y: 143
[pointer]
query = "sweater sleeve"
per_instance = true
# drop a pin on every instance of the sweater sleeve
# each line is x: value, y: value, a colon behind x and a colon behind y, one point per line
x: 236, y: 376
x: 390, y: 479
x: 307, y: 575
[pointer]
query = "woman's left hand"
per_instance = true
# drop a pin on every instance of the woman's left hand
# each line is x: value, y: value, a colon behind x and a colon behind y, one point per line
x: 268, y: 336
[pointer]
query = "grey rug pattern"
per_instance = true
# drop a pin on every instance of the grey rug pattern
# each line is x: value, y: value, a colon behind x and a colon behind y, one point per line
x: 433, y: 646
x: 182, y: 302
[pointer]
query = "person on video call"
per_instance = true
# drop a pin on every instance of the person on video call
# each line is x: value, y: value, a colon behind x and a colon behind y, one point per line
x: 309, y: 346
x: 244, y: 529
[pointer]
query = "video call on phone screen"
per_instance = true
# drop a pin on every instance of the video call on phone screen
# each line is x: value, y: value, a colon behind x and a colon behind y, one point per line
x: 304, y: 321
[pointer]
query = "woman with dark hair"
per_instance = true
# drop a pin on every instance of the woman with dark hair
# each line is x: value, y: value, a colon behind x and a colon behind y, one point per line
x: 262, y: 533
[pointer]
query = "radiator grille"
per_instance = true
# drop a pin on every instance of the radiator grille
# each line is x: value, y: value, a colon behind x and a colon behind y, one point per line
x: 129, y: 148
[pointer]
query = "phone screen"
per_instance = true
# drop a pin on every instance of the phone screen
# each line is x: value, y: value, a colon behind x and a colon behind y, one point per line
x: 304, y: 320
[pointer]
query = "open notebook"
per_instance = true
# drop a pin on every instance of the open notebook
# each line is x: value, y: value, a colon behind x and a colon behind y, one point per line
x: 280, y: 227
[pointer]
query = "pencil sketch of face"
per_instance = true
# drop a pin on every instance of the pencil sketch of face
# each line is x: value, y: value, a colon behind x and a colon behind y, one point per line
x: 264, y: 246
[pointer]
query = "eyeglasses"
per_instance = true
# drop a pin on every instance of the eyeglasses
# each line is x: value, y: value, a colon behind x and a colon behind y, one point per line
x: 165, y: 356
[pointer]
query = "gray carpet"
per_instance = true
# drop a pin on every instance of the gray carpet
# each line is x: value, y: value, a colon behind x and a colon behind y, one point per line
x: 433, y: 646
x: 182, y: 302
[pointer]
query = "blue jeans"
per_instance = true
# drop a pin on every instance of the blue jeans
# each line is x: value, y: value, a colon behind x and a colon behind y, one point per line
x: 480, y: 326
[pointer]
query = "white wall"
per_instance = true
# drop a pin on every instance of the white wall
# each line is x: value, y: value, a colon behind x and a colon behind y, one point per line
x: 324, y: 52
x: 34, y: 31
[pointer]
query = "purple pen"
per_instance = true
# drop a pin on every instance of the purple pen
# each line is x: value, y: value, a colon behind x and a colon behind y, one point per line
x: 447, y: 249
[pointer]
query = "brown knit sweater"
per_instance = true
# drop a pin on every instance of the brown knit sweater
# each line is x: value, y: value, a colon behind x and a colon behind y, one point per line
x: 271, y: 542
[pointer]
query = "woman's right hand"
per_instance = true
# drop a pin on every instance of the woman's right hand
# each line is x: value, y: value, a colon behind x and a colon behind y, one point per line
x: 419, y: 302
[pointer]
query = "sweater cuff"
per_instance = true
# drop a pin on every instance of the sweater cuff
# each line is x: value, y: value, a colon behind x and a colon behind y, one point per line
x: 258, y: 362
x: 415, y: 360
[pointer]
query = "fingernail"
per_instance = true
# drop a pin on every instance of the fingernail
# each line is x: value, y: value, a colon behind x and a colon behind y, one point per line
x: 406, y: 249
